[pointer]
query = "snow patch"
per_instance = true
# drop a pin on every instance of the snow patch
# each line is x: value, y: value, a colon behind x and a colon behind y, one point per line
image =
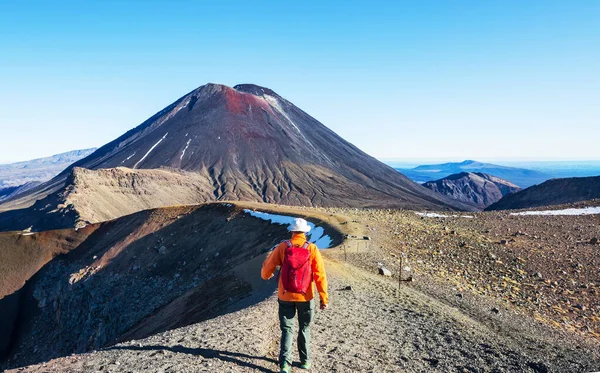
x: 571, y: 211
x: 128, y: 158
x: 151, y: 149
x: 436, y: 215
x: 186, y: 146
x: 431, y: 215
x: 316, y: 235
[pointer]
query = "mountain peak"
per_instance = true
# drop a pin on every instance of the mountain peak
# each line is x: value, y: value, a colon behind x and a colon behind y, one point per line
x: 474, y: 188
x: 255, y: 90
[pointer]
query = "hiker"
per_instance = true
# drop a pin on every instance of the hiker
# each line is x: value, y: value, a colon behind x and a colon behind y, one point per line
x: 300, y: 264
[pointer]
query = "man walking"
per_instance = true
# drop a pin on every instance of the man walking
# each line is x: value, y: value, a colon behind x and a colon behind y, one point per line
x: 301, y: 264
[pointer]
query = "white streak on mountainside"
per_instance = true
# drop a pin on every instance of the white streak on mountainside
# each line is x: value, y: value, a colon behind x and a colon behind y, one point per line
x: 151, y: 149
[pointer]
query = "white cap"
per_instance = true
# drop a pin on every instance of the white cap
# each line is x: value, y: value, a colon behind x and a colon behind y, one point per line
x: 299, y: 225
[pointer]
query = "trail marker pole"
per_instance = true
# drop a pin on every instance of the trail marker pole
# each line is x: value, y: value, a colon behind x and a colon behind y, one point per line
x: 400, y: 274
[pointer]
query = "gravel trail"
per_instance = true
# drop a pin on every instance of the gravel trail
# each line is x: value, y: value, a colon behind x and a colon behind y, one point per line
x: 367, y: 328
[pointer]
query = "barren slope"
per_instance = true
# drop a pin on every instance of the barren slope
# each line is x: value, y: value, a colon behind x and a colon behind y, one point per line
x: 473, y: 188
x: 129, y: 278
x: 249, y: 143
x: 366, y: 329
x: 552, y: 192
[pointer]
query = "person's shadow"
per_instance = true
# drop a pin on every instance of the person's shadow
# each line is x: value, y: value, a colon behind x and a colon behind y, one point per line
x: 232, y: 357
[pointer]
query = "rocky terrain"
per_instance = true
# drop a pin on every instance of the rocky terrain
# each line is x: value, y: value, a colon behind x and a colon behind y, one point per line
x: 244, y: 143
x: 552, y: 192
x: 127, y: 278
x: 545, y: 266
x: 474, y: 188
x: 38, y: 170
x: 445, y: 320
x: 94, y: 196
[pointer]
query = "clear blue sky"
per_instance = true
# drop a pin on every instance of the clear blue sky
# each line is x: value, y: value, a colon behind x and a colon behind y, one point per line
x: 406, y: 79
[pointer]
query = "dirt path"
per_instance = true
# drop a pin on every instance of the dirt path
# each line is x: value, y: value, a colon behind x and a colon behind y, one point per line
x: 366, y: 329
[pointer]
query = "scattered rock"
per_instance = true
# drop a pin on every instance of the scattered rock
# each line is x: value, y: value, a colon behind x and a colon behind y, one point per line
x: 385, y: 272
x: 162, y: 250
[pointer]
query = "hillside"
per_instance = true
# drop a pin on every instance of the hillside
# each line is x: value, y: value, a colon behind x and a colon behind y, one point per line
x: 40, y: 169
x: 140, y: 274
x: 474, y: 188
x: 443, y: 321
x: 12, y: 192
x: 519, y: 176
x: 243, y: 143
x: 552, y: 192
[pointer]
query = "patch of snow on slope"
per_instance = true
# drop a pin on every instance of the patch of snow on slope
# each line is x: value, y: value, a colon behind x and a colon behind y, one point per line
x: 316, y: 235
x: 128, y: 158
x: 431, y: 215
x: 151, y: 149
x: 571, y: 211
x: 186, y: 146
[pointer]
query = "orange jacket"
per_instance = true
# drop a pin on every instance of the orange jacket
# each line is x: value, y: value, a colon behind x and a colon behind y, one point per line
x: 275, y: 259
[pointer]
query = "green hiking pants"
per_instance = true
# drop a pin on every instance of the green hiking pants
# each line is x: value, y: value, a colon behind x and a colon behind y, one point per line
x: 287, y: 314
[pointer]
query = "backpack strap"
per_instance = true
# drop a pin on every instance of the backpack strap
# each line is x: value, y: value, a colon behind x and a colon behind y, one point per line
x: 304, y: 246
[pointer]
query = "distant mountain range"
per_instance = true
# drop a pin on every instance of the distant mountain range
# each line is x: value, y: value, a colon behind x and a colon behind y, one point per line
x: 38, y: 170
x: 474, y: 188
x: 551, y: 192
x: 520, y: 176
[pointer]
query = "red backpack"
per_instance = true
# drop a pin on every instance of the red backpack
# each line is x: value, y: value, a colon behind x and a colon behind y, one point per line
x: 296, y: 271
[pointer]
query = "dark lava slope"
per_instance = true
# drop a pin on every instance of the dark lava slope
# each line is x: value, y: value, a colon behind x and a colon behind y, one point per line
x: 254, y: 145
x: 551, y: 192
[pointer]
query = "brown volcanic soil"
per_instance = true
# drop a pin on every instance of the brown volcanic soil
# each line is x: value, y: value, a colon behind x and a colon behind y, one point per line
x: 547, y: 267
x: 23, y: 254
x: 246, y: 143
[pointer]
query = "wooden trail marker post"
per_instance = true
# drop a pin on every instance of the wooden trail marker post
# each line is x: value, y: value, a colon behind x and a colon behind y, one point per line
x: 401, y: 260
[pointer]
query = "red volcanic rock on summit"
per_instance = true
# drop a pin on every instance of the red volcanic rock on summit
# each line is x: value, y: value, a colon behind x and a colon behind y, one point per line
x: 244, y: 143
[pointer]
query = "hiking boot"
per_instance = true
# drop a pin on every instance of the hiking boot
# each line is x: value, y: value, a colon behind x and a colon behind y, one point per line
x: 285, y: 368
x: 305, y: 365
